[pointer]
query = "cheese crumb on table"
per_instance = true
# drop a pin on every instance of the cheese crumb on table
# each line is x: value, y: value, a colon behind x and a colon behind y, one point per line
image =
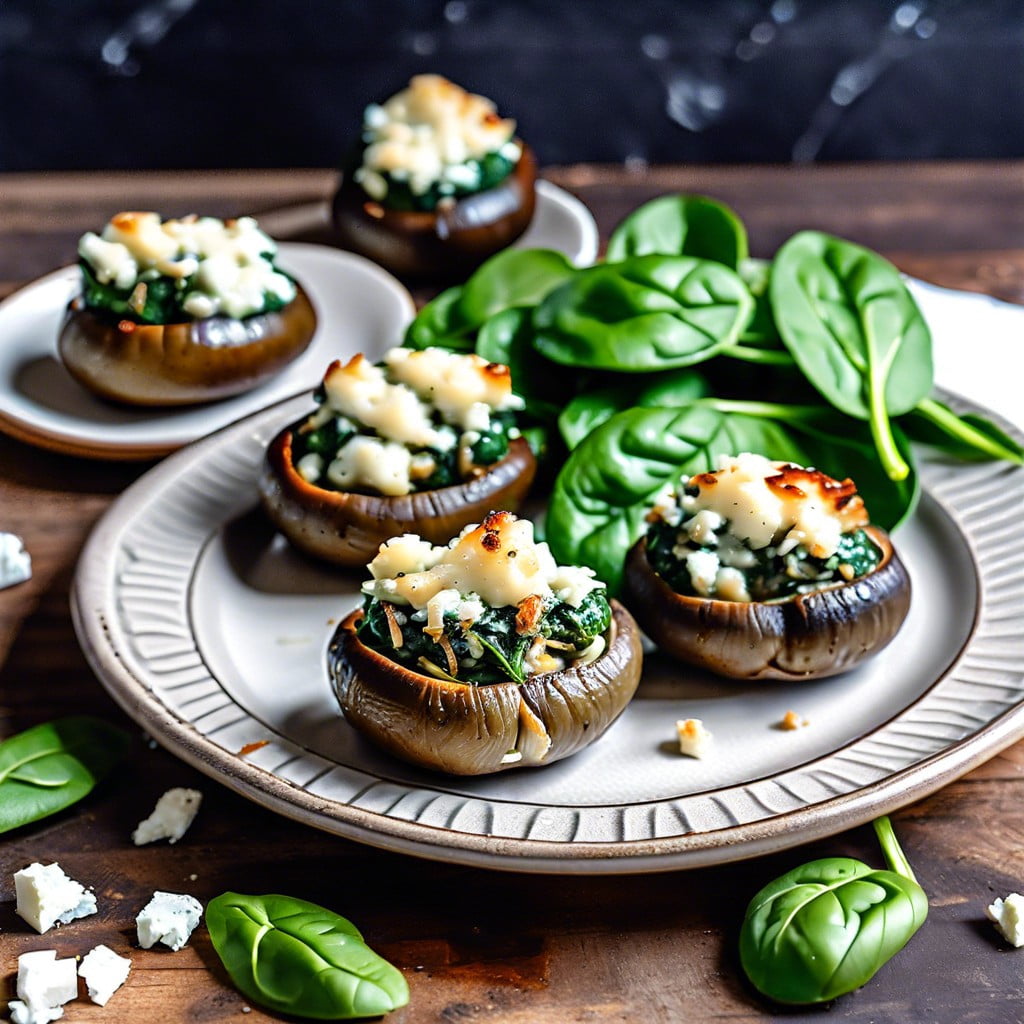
x: 46, y: 896
x: 1008, y: 917
x: 15, y: 563
x: 45, y: 984
x: 174, y: 813
x: 104, y: 973
x: 168, y: 918
x: 694, y: 739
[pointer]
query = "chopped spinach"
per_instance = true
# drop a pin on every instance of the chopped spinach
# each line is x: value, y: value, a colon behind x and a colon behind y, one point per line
x: 491, y: 649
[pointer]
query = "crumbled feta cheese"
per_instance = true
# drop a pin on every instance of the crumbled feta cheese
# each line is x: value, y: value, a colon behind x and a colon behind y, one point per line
x: 370, y: 462
x: 426, y: 134
x: 44, y: 982
x: 1008, y: 917
x: 168, y: 918
x: 46, y: 896
x: 228, y: 264
x: 104, y: 973
x: 703, y: 569
x: 694, y: 738
x: 15, y: 563
x: 765, y: 501
x: 22, y: 1013
x: 310, y: 467
x: 498, y: 561
x: 171, y: 817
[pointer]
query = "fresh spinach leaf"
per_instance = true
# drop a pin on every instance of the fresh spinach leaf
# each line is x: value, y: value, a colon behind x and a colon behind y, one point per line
x: 296, y: 957
x: 647, y: 313
x: 681, y: 225
x: 825, y: 928
x: 967, y: 437
x: 605, y: 488
x: 657, y: 390
x: 507, y: 337
x: 51, y: 766
x: 855, y: 331
x: 761, y: 331
x: 513, y: 278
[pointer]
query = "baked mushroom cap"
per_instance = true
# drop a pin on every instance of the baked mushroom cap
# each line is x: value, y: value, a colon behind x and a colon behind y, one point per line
x: 347, y: 528
x: 807, y: 636
x: 183, y: 363
x: 464, y: 729
x: 447, y: 242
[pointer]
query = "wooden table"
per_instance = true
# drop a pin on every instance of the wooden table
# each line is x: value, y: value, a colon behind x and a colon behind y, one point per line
x: 479, y: 945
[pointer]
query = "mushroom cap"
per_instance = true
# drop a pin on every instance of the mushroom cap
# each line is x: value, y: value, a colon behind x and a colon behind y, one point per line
x: 183, y: 363
x: 464, y: 729
x: 448, y: 242
x: 807, y: 636
x: 347, y: 528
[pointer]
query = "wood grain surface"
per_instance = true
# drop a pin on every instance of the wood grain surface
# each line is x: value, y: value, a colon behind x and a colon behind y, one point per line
x: 478, y: 945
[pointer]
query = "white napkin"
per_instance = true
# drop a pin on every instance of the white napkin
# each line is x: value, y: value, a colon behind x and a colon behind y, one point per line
x: 977, y: 345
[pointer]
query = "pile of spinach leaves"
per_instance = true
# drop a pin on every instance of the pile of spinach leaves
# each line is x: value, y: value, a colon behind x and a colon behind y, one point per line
x: 679, y: 347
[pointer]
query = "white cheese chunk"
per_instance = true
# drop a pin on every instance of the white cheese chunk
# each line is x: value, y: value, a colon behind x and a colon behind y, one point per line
x: 168, y: 918
x: 174, y: 813
x: 15, y: 563
x: 44, y: 982
x: 23, y: 1013
x: 694, y: 738
x: 372, y: 463
x: 104, y: 973
x: 1008, y: 917
x: 46, y: 896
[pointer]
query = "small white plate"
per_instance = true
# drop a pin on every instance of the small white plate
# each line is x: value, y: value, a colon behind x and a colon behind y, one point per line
x: 211, y: 633
x: 560, y: 221
x: 360, y: 308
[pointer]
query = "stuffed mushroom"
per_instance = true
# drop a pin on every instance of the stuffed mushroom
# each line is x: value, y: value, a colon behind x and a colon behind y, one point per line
x: 766, y: 570
x: 179, y: 312
x: 438, y: 183
x: 484, y: 654
x: 426, y: 442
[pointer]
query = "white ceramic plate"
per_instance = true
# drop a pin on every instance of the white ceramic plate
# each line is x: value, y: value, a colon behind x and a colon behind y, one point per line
x: 360, y: 307
x: 208, y: 630
x: 560, y: 221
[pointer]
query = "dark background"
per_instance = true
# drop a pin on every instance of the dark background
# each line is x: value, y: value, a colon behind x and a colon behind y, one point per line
x: 273, y: 83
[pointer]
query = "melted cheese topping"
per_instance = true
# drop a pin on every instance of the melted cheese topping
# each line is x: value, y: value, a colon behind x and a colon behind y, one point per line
x: 229, y: 263
x: 776, y: 503
x: 498, y: 562
x: 426, y: 133
x: 463, y: 388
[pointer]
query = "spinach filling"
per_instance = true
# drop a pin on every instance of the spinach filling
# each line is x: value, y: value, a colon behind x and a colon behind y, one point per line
x: 163, y: 297
x: 490, y: 447
x: 490, y: 650
x: 487, y: 172
x: 771, y: 576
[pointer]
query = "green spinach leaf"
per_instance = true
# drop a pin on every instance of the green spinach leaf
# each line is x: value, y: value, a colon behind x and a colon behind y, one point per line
x: 296, y: 957
x: 825, y: 928
x: 512, y: 278
x: 588, y: 411
x: 681, y: 225
x: 967, y: 437
x: 51, y: 766
x: 645, y: 314
x: 855, y: 331
x: 610, y: 479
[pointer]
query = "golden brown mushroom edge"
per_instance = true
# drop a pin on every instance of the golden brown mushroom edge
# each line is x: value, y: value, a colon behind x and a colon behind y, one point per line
x: 346, y: 528
x: 465, y: 729
x: 807, y: 636
x: 182, y: 363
